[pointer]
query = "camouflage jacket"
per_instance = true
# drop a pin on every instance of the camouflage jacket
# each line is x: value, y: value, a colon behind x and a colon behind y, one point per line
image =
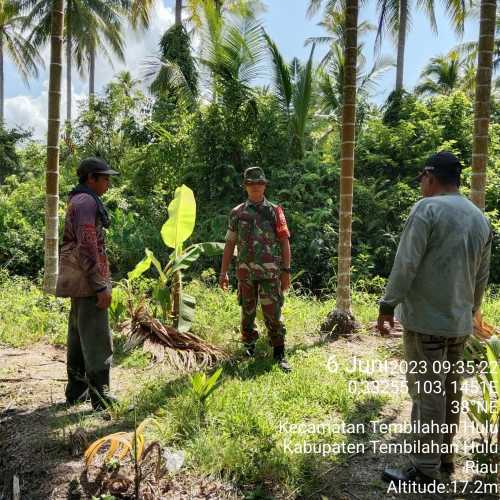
x: 257, y: 230
x: 83, y: 264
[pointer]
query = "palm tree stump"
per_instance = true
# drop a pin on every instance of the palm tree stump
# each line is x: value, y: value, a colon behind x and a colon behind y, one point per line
x: 339, y: 324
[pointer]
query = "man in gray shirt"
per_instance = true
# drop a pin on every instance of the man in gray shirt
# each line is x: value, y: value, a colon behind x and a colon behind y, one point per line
x: 436, y: 285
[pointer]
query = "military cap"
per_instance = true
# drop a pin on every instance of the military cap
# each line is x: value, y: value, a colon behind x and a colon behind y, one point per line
x: 254, y: 174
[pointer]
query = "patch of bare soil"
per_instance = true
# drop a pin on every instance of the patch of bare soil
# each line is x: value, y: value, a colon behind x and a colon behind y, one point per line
x: 39, y: 446
x: 37, y: 439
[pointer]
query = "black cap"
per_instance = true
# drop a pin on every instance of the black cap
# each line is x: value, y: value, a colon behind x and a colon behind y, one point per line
x: 93, y: 165
x: 443, y: 163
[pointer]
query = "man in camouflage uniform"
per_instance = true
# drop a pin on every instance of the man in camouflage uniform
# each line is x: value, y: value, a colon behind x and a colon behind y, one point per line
x: 84, y: 277
x: 259, y: 229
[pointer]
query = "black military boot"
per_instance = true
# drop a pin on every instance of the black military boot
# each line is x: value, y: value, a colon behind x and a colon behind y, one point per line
x: 100, y: 396
x: 77, y: 390
x: 84, y: 397
x: 249, y: 349
x: 279, y: 357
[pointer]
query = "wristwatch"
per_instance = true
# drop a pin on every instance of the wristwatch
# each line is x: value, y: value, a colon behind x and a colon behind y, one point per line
x: 286, y: 270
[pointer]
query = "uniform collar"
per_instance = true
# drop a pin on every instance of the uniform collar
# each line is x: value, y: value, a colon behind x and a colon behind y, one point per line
x: 263, y: 203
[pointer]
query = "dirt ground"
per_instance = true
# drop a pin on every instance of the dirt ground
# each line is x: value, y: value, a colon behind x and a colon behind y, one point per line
x: 38, y: 446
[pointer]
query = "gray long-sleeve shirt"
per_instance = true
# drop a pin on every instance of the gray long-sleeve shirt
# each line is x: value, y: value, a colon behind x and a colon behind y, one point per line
x: 441, y: 267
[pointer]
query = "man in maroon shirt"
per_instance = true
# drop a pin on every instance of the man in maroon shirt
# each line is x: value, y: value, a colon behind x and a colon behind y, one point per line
x: 84, y: 277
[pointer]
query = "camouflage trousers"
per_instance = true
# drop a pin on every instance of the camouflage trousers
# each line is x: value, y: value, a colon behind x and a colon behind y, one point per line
x: 268, y: 292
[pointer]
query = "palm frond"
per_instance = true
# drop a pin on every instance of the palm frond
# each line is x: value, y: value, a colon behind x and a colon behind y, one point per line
x: 428, y: 8
x: 427, y: 86
x: 328, y: 95
x: 140, y: 12
x: 388, y: 20
x: 282, y: 78
x: 184, y: 351
x: 319, y: 40
x: 166, y: 76
x: 367, y: 82
x: 442, y: 74
x: 313, y: 8
x: 302, y: 97
x: 23, y: 53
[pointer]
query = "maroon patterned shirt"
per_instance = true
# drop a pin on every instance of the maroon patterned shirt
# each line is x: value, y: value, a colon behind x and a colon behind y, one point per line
x: 83, y: 264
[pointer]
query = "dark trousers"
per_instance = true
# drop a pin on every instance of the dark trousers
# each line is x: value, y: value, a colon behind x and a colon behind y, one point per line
x: 435, y: 392
x: 90, y: 345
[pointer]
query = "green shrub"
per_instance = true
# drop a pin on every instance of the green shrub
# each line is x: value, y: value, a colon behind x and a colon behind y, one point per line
x: 27, y: 315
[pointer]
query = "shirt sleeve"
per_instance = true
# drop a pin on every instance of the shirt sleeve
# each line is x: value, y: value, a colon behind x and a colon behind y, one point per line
x: 482, y: 274
x: 87, y: 248
x: 412, y: 247
x: 232, y: 229
x: 281, y: 225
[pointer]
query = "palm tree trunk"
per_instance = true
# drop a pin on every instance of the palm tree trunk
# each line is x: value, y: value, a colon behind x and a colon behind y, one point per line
x: 2, y: 97
x: 482, y: 101
x: 52, y: 176
x: 403, y: 25
x: 347, y: 157
x: 68, y: 63
x: 91, y: 75
x: 178, y: 12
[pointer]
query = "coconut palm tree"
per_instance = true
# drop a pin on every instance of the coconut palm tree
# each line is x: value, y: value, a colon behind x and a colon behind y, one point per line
x: 293, y: 86
x: 395, y: 17
x: 174, y: 71
x: 347, y: 157
x: 482, y: 100
x: 86, y: 23
x: 13, y: 44
x: 331, y: 69
x: 94, y: 38
x: 334, y: 24
x: 442, y: 75
x: 245, y: 8
x: 232, y: 53
x: 469, y: 49
x: 139, y: 11
x: 139, y: 14
x: 330, y: 80
x: 178, y: 12
x: 52, y: 178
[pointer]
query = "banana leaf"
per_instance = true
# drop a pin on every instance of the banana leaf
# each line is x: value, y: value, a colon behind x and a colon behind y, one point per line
x: 140, y: 268
x: 181, y: 220
x: 193, y: 253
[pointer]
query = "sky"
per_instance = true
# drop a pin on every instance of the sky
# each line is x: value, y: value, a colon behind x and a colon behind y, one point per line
x: 284, y: 20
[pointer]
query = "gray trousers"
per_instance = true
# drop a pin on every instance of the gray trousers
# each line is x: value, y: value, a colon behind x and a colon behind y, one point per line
x: 434, y: 393
x: 90, y: 345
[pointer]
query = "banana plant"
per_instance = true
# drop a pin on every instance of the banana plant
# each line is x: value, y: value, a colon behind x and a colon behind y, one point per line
x: 167, y: 291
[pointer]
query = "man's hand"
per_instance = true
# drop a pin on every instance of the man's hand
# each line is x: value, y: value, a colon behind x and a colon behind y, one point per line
x: 382, y: 318
x: 224, y: 281
x: 104, y: 299
x: 285, y: 281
